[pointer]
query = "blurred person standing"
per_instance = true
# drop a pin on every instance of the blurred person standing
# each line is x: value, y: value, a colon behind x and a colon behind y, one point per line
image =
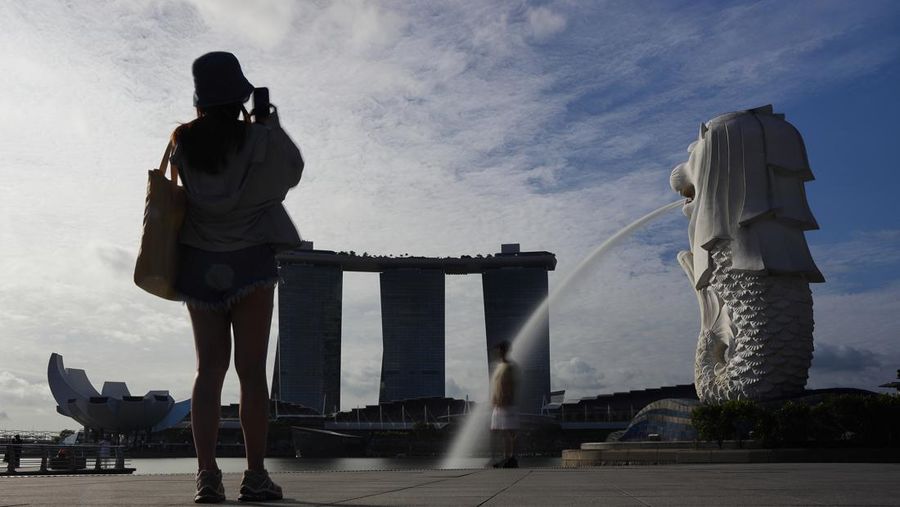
x: 505, y: 415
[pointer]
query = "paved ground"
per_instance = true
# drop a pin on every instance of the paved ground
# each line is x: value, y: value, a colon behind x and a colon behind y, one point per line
x: 688, y: 485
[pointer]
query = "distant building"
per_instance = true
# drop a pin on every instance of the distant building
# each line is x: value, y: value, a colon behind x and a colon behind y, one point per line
x: 511, y: 295
x: 113, y: 409
x: 308, y: 355
x: 620, y: 406
x: 412, y: 328
x: 308, y: 358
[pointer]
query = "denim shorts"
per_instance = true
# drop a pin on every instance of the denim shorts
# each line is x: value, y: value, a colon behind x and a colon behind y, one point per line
x: 216, y: 280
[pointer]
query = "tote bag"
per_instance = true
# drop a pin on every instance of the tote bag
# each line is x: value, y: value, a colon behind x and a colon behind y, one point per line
x: 157, y: 261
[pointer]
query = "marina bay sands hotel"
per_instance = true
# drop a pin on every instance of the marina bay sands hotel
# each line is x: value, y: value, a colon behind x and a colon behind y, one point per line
x: 308, y: 357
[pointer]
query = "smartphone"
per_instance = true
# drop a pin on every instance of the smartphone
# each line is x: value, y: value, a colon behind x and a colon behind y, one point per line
x: 260, y: 103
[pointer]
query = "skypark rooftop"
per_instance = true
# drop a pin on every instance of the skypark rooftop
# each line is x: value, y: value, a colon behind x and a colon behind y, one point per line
x: 450, y: 265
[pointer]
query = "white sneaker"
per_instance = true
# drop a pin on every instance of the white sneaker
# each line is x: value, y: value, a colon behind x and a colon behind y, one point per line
x: 209, y: 487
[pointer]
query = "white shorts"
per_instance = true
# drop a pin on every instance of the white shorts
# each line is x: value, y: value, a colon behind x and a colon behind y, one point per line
x: 505, y: 418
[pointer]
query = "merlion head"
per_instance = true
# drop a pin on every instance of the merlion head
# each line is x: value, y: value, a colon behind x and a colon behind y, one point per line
x: 744, y: 183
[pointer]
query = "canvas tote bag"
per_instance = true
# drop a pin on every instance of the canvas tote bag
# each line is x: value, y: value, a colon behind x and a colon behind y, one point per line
x: 157, y: 261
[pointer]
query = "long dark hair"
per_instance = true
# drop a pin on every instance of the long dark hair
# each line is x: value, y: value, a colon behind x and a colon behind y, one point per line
x: 208, y: 140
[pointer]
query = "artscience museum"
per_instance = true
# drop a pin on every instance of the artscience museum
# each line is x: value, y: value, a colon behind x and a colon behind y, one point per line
x: 112, y: 409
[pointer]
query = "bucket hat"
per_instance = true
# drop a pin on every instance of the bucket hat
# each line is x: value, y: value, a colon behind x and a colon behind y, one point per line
x: 218, y: 79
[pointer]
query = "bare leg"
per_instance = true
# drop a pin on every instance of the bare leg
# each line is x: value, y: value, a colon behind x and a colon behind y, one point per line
x: 251, y: 318
x: 212, y: 340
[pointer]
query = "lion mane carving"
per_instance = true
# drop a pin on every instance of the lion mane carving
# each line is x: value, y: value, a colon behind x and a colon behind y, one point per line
x: 749, y: 262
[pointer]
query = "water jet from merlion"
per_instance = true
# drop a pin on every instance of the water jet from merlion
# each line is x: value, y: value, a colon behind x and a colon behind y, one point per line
x: 476, y: 424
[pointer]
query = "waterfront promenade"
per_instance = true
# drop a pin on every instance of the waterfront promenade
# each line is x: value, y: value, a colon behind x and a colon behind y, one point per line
x: 688, y: 485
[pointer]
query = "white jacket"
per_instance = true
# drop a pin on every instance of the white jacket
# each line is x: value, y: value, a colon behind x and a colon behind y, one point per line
x: 241, y: 206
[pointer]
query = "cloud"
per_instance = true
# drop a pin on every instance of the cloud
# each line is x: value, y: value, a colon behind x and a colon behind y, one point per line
x: 859, y: 321
x: 263, y: 23
x: 25, y: 398
x: 453, y: 390
x: 119, y: 259
x: 16, y: 388
x: 577, y: 375
x: 843, y: 358
x: 545, y: 23
x: 860, y: 260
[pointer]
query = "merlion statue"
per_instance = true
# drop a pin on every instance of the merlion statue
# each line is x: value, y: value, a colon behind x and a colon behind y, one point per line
x: 749, y: 262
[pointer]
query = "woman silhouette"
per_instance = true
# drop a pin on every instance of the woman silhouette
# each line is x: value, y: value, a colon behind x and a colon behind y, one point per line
x: 236, y: 175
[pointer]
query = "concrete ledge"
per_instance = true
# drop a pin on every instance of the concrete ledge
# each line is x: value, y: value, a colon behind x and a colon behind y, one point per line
x: 677, y: 444
x: 575, y: 458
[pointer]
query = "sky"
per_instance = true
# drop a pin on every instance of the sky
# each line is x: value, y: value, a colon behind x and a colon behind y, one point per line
x: 442, y: 128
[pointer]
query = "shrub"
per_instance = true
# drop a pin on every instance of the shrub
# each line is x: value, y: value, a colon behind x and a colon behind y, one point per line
x: 734, y: 419
x: 871, y: 420
x: 792, y: 424
x: 740, y: 417
x: 884, y: 412
x: 707, y: 420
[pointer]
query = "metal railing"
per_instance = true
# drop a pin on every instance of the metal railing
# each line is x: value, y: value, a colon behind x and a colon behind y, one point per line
x: 375, y: 425
x: 22, y: 458
x: 574, y: 413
